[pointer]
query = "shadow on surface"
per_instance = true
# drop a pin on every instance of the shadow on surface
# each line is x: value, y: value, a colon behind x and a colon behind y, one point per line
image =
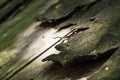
x: 70, y: 72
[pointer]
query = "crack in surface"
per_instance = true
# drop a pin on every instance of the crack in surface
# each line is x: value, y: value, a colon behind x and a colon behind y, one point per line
x: 53, y: 22
x: 66, y: 26
x: 46, y: 22
x: 85, y: 58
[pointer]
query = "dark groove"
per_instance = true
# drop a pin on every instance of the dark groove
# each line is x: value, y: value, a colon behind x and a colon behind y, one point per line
x: 87, y: 58
x: 92, y: 19
x: 53, y: 22
x: 66, y: 26
x: 81, y: 29
x: 77, y: 31
x: 46, y: 22
x: 17, y: 7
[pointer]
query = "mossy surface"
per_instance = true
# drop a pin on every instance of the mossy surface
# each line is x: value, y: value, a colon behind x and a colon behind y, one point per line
x: 11, y: 28
x: 101, y: 17
x: 62, y: 8
x: 110, y: 70
x: 102, y: 35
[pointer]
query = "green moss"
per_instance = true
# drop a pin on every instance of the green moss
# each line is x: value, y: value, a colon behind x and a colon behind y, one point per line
x: 100, y: 37
x: 66, y: 7
x: 19, y: 23
x: 10, y: 29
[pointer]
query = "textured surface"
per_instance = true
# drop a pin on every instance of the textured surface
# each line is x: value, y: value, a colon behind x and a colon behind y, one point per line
x: 28, y: 27
x: 102, y: 35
